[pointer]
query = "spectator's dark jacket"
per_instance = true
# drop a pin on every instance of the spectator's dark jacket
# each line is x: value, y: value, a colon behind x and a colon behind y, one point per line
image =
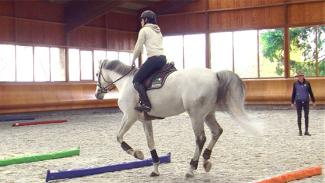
x: 301, y: 92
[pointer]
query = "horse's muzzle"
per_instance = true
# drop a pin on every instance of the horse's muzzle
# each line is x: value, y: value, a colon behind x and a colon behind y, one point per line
x: 99, y: 96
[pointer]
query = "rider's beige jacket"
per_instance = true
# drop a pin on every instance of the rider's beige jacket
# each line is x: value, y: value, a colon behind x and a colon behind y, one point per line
x: 151, y: 37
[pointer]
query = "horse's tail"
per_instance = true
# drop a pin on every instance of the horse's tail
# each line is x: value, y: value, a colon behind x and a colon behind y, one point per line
x: 231, y: 97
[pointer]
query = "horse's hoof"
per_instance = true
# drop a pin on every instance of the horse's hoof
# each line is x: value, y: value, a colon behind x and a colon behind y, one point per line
x: 189, y: 175
x: 138, y: 154
x: 154, y: 174
x: 207, y: 166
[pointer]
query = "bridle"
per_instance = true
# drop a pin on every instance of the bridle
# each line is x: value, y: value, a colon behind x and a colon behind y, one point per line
x: 110, y: 85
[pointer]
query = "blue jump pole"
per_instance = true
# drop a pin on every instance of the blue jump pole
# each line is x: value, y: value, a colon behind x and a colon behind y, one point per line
x: 68, y: 174
x: 16, y: 118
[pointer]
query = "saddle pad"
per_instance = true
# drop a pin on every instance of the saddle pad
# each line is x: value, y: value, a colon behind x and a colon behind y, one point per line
x: 158, y: 78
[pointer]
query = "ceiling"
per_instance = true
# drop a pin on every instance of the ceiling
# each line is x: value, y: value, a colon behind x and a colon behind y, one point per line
x: 80, y: 12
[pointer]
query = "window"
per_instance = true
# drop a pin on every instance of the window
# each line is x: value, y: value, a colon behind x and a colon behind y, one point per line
x: 221, y: 51
x: 74, y: 65
x: 42, y: 63
x: 125, y: 57
x: 98, y: 56
x: 321, y: 50
x: 245, y: 53
x: 57, y: 64
x: 303, y: 52
x: 173, y: 47
x: 112, y: 55
x: 271, y: 53
x: 24, y: 65
x: 7, y: 62
x: 86, y: 65
x: 194, y: 51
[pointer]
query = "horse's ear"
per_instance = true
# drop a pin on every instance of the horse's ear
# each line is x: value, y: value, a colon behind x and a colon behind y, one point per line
x: 101, y: 63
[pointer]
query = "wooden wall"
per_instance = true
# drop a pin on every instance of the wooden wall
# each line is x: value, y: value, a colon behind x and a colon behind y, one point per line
x: 28, y: 97
x: 229, y: 15
x: 42, y: 23
x: 278, y: 91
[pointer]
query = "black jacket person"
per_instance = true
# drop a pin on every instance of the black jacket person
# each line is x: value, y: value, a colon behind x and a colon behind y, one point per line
x: 300, y: 96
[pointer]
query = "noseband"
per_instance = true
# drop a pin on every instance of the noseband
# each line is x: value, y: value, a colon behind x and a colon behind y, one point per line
x: 110, y: 85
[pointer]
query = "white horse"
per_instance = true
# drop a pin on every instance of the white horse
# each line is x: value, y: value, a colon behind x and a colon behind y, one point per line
x: 199, y: 92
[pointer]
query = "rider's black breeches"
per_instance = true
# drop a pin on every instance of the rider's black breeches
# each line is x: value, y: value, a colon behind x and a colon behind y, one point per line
x: 150, y: 66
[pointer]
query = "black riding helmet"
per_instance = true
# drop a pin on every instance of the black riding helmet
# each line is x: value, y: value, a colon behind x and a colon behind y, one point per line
x: 149, y: 17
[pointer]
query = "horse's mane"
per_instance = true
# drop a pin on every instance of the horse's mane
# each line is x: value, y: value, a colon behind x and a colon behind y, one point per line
x: 118, y: 67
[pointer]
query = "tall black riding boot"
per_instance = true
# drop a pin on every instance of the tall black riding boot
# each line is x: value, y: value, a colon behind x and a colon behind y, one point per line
x: 306, y: 127
x: 300, y: 131
x: 144, y: 100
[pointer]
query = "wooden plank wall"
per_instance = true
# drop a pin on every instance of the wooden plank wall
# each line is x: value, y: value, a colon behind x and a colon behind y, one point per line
x: 28, y: 97
x: 279, y: 90
x: 230, y: 15
x: 42, y: 23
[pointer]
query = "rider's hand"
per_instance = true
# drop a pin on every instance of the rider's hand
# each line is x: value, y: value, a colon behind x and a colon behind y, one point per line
x: 292, y: 105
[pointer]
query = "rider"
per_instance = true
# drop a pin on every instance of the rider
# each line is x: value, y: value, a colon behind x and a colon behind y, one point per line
x: 151, y: 37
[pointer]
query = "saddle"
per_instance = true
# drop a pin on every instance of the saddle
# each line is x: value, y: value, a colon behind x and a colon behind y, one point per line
x: 158, y: 78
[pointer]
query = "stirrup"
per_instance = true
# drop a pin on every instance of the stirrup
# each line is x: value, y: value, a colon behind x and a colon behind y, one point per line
x: 142, y: 108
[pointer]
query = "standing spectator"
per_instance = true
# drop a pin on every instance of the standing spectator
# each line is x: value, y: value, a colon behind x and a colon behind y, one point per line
x: 300, y: 96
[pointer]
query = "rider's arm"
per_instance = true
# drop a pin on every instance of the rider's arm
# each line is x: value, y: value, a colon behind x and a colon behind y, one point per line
x: 139, y: 45
x: 311, y: 92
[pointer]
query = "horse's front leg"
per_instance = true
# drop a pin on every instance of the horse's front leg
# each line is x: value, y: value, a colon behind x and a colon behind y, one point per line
x: 147, y: 125
x: 127, y: 122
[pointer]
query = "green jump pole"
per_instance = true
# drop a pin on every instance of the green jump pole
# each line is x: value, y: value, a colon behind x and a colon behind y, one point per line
x: 40, y: 157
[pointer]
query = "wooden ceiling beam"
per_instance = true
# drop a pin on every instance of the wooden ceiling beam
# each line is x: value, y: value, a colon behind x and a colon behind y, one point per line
x: 169, y: 6
x: 125, y: 10
x: 79, y: 13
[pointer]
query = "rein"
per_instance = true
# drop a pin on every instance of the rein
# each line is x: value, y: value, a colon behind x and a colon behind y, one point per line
x: 109, y: 86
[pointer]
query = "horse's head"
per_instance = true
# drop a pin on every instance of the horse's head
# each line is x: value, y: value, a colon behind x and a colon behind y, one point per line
x: 104, y: 82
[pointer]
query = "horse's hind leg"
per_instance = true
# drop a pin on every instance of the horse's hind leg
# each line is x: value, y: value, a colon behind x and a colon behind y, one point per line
x: 216, y: 131
x: 126, y: 124
x: 198, y: 128
x: 147, y: 125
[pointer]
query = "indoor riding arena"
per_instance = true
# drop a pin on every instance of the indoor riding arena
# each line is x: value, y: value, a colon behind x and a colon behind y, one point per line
x: 70, y: 91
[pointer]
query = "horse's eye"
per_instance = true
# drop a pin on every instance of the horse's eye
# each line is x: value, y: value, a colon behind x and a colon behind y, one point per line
x: 97, y: 74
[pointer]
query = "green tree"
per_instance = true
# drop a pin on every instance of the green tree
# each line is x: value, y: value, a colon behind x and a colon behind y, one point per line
x: 303, y: 55
x: 272, y: 48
